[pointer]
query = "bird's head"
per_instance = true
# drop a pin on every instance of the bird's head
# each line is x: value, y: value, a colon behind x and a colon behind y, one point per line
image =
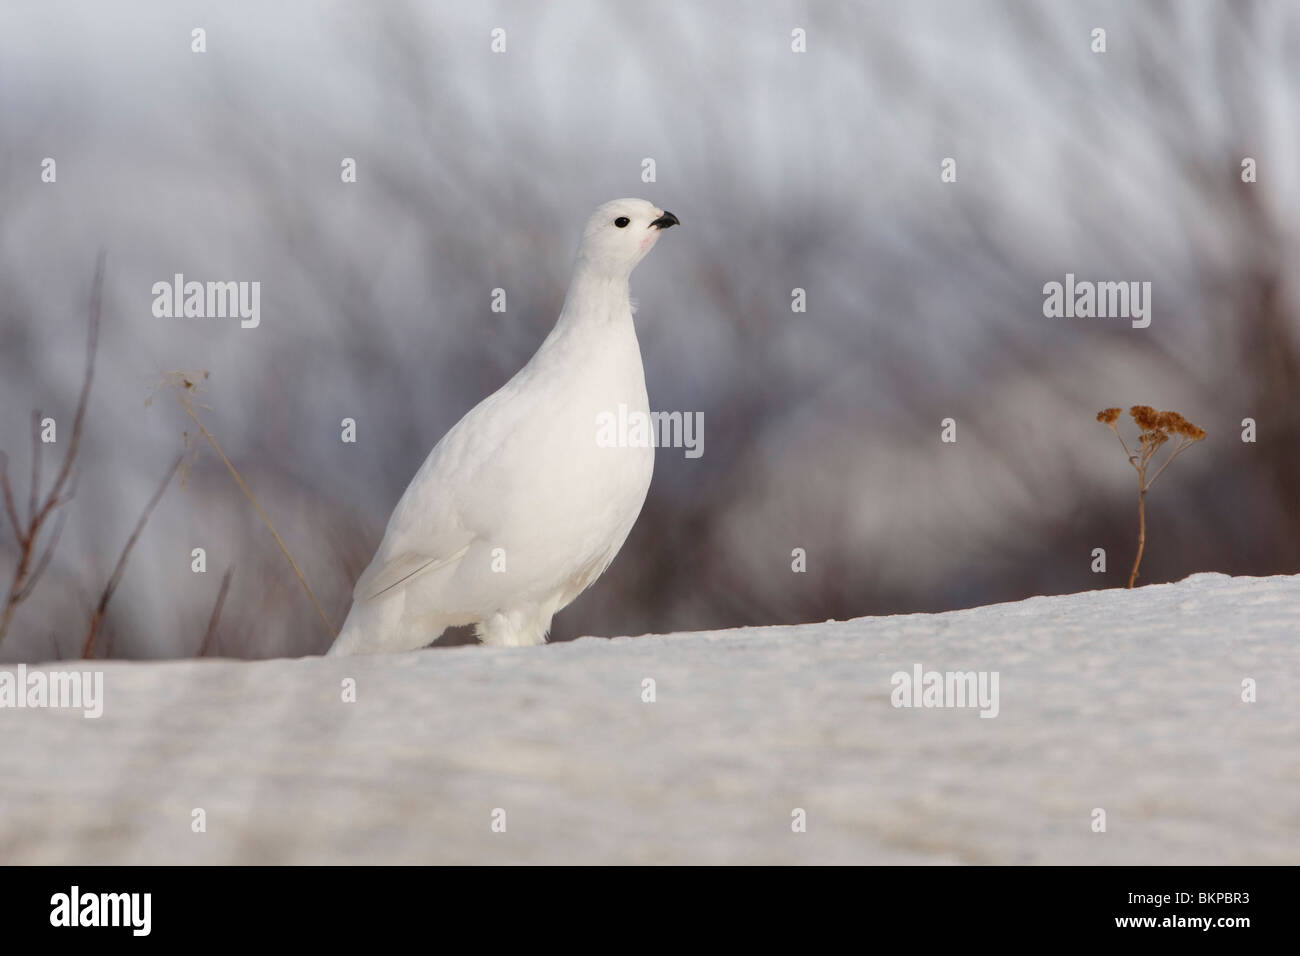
x: 620, y: 233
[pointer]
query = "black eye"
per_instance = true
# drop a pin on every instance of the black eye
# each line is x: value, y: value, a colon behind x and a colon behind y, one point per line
x: 622, y: 222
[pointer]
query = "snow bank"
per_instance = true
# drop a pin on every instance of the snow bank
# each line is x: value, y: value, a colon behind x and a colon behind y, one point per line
x: 1126, y: 701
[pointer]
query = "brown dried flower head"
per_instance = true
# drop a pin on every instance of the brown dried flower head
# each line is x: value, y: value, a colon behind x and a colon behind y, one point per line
x: 1147, y: 418
x: 1108, y: 416
x: 1173, y: 422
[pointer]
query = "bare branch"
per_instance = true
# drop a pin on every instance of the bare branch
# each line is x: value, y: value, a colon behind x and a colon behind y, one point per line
x: 1132, y: 459
x: 1185, y: 443
x: 184, y: 397
x: 206, y: 644
x: 44, y: 561
x: 34, y: 491
x: 97, y: 618
x: 92, y: 344
x: 9, y: 500
x: 25, y: 576
x: 79, y: 420
x: 71, y: 493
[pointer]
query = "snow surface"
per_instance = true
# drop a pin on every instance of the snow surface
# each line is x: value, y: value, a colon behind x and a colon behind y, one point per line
x: 1127, y: 701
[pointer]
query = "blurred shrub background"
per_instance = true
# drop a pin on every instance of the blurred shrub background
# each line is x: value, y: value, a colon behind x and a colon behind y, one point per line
x: 817, y: 170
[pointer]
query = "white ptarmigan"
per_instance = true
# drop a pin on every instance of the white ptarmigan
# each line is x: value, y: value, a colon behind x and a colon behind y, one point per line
x: 519, y: 508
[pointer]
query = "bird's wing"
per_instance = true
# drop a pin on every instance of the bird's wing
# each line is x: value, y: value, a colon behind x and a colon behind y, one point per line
x: 382, y: 577
x: 435, y: 523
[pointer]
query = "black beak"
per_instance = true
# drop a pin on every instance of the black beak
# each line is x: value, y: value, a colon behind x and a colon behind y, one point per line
x: 666, y: 220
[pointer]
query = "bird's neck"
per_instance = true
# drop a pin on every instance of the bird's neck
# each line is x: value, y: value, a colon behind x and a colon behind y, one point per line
x: 596, y: 296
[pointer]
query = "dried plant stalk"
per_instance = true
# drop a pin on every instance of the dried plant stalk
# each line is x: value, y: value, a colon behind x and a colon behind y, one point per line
x: 31, y: 565
x: 1155, y: 431
x: 185, y: 387
x: 101, y: 609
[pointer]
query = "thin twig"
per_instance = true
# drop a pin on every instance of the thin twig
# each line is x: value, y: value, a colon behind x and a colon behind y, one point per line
x: 92, y: 344
x: 26, y: 576
x: 9, y: 499
x: 54, y: 498
x: 97, y: 618
x: 185, y: 404
x: 34, y: 492
x: 1128, y: 453
x: 1181, y: 445
x: 206, y: 645
x: 44, y: 561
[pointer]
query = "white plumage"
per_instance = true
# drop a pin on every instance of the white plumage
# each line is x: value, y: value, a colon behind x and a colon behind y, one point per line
x: 519, y: 508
